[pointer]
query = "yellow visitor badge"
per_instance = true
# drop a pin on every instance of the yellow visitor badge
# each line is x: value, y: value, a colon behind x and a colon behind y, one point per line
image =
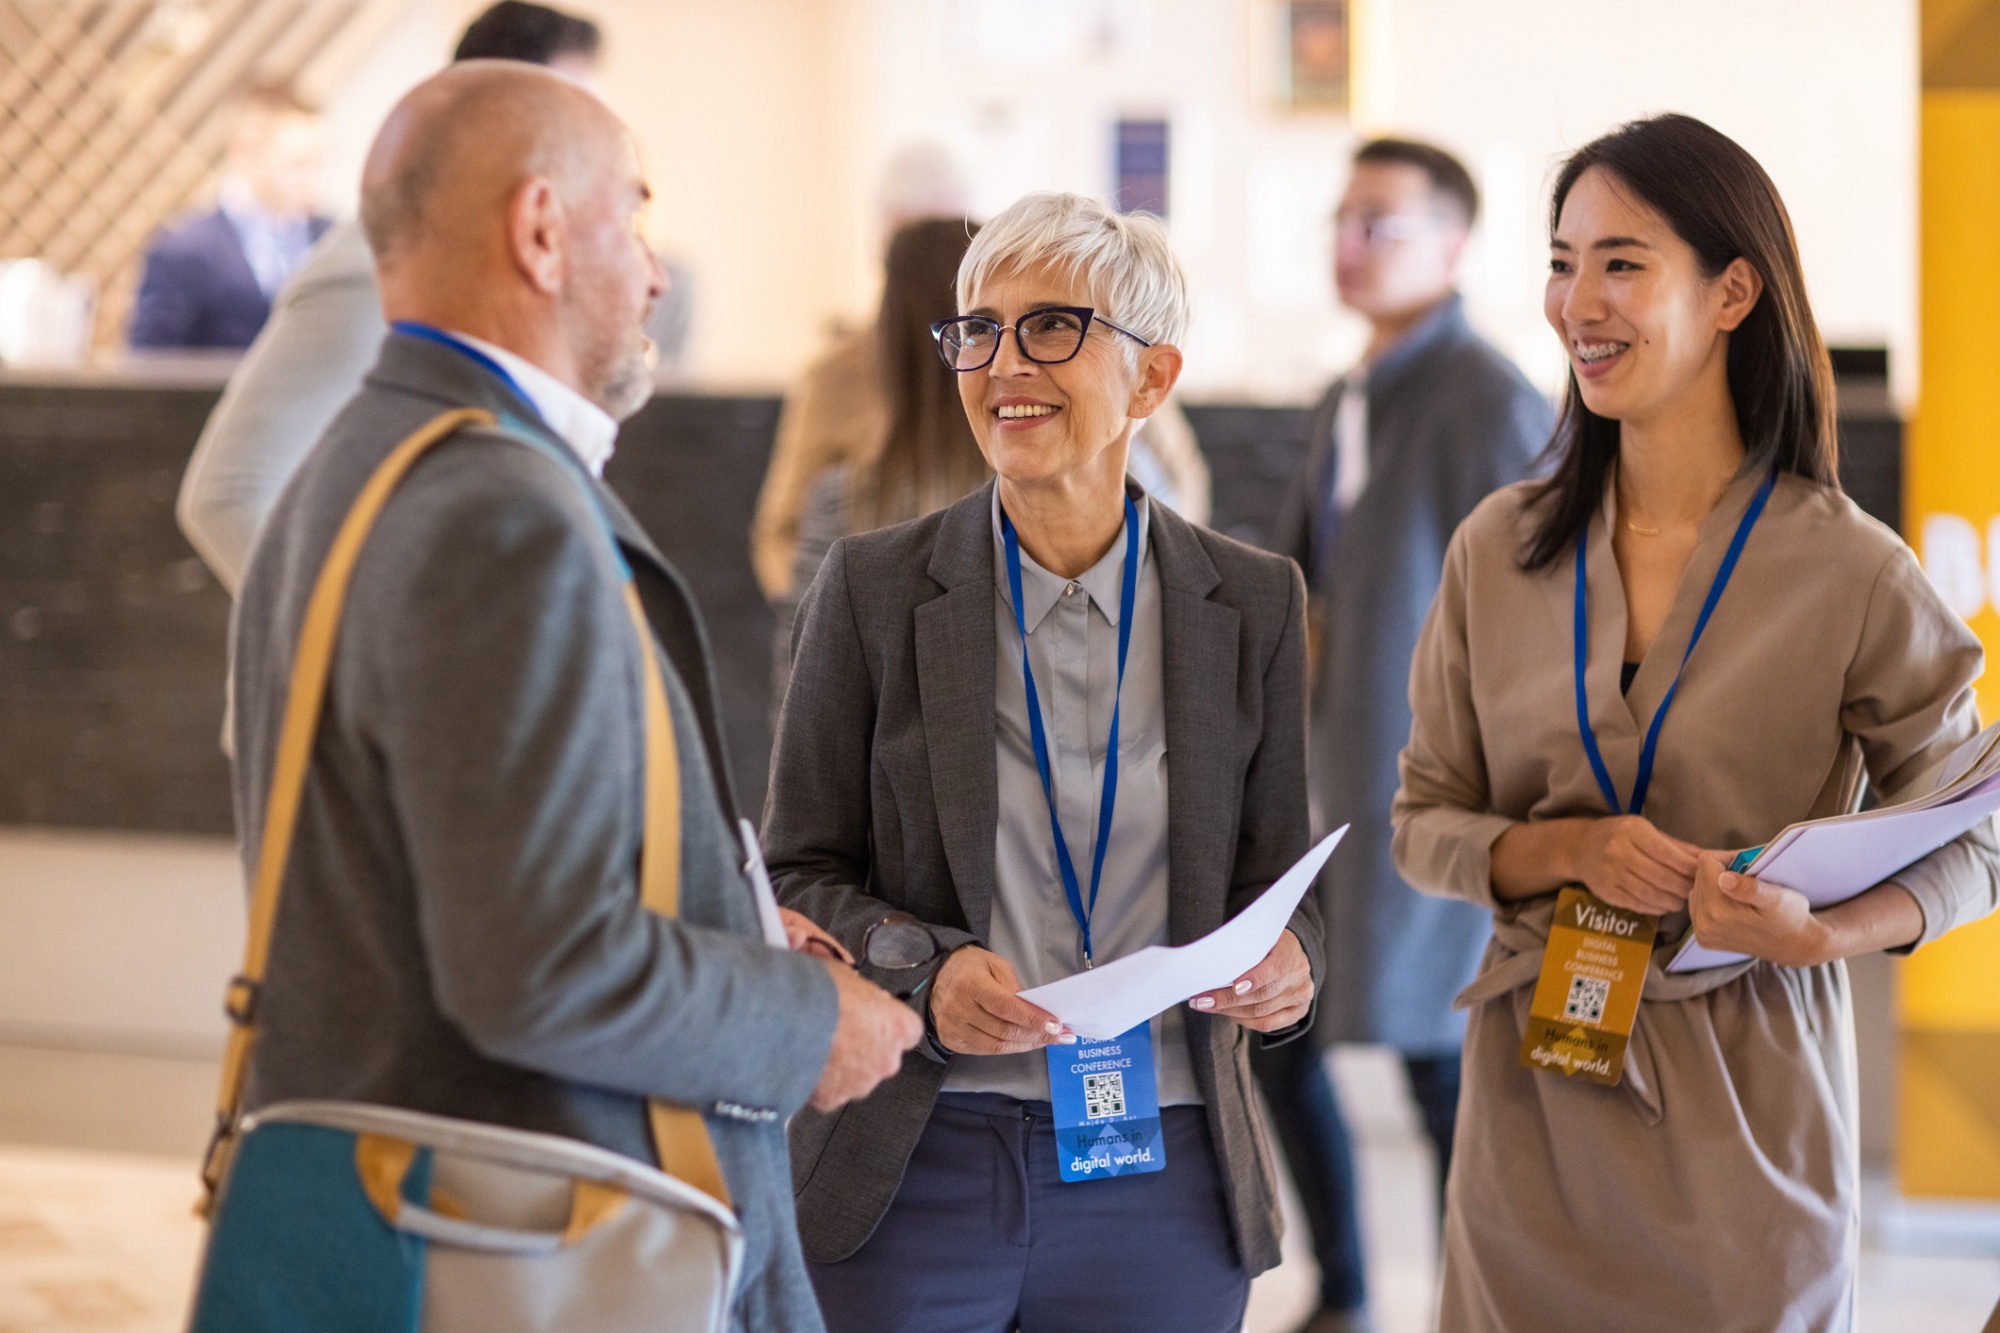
x: 1588, y: 997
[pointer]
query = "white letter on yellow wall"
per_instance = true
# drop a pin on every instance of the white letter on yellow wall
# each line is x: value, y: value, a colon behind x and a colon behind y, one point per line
x: 1951, y: 558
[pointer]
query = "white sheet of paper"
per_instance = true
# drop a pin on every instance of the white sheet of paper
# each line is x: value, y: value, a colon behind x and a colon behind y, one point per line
x: 760, y: 887
x: 1105, y: 1001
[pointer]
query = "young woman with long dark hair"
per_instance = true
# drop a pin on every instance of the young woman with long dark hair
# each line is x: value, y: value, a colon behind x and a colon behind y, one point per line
x: 1715, y: 1184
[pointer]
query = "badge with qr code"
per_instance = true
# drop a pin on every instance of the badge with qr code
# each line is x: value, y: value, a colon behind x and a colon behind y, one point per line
x: 1107, y: 1106
x: 1588, y: 997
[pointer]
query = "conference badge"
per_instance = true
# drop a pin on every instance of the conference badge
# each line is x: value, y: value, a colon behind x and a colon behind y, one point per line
x: 1588, y: 997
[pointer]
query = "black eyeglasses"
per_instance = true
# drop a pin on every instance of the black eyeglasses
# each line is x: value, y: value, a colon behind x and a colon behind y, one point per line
x: 1048, y: 336
x: 899, y: 945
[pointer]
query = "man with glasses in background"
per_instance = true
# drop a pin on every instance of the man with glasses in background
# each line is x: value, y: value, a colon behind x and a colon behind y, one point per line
x: 1402, y: 448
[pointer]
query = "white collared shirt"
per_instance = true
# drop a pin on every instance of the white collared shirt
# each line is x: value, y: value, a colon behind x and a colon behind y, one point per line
x: 273, y: 246
x: 582, y: 424
x: 1350, y: 439
x: 1073, y: 647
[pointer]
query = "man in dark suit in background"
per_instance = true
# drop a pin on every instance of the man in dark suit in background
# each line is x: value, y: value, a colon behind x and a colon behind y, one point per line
x: 1402, y: 448
x: 325, y: 329
x: 208, y: 282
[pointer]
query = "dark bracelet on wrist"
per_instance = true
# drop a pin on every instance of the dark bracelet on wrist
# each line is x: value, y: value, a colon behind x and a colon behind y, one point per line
x: 938, y: 1048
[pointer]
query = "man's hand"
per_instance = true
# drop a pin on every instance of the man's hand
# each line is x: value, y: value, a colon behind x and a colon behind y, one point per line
x: 977, y: 1008
x: 803, y: 935
x: 1628, y: 863
x: 1269, y: 997
x: 1744, y: 915
x: 873, y: 1031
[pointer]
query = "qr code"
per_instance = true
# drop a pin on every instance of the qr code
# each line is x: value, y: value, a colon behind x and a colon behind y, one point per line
x: 1103, y: 1096
x: 1586, y: 999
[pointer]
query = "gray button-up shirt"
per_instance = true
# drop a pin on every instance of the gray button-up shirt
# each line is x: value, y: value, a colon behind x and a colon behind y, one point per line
x: 1073, y: 644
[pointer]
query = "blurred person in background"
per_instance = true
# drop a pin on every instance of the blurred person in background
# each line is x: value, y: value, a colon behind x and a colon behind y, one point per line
x: 838, y: 412
x: 209, y: 282
x: 927, y: 458
x: 1403, y: 447
x: 325, y: 330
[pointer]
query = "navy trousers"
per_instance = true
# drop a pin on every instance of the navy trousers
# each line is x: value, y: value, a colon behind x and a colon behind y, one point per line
x: 1313, y: 1135
x: 985, y: 1237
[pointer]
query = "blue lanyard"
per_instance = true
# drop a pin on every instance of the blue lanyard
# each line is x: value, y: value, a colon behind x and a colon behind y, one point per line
x: 1127, y: 595
x: 431, y: 333
x: 1652, y: 745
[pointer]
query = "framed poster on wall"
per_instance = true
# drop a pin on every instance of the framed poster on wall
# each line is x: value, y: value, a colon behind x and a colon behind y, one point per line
x: 1316, y: 61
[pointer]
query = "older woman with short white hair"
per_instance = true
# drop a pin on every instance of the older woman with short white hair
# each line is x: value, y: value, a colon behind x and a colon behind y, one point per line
x: 978, y: 735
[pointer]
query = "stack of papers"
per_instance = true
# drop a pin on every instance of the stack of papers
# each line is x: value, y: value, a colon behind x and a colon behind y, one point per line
x: 1832, y: 860
x: 1105, y: 1001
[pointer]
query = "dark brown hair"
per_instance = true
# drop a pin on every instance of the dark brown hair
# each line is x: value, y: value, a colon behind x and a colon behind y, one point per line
x: 1448, y: 175
x: 1718, y: 200
x: 929, y: 458
x: 537, y: 34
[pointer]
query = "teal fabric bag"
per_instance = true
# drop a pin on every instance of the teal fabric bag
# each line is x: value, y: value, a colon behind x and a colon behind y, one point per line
x: 337, y: 1217
x: 298, y: 1248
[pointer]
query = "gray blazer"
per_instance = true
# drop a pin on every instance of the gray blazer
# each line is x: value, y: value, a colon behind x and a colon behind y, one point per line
x: 461, y: 931
x: 1450, y: 420
x: 884, y: 794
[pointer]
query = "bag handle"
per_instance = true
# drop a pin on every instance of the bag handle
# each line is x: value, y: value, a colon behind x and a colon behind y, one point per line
x: 383, y: 1164
x: 680, y: 1137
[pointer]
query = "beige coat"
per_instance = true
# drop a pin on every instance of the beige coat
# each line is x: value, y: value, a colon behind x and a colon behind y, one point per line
x: 836, y: 415
x: 1716, y: 1188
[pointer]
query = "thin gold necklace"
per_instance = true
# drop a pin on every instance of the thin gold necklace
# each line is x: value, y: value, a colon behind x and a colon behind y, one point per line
x: 1654, y: 532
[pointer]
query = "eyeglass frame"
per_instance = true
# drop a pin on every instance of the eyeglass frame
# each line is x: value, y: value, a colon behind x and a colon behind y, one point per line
x: 1088, y: 314
x: 1375, y: 231
x: 938, y: 951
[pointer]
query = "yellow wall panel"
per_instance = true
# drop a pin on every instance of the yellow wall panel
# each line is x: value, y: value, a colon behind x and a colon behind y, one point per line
x: 1947, y: 1143
x: 1949, y: 1121
x: 1953, y: 984
x: 1953, y: 460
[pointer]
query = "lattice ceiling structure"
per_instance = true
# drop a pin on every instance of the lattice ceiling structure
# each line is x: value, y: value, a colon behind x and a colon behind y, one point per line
x: 115, y: 114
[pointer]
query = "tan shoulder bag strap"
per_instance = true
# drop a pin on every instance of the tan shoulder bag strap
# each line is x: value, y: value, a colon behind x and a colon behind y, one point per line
x: 680, y: 1136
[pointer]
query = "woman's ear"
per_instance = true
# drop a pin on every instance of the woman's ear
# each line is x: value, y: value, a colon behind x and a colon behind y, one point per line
x: 1741, y: 285
x: 1159, y: 369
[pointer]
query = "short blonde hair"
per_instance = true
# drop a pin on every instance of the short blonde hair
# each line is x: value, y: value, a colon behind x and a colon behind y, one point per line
x: 1123, y: 258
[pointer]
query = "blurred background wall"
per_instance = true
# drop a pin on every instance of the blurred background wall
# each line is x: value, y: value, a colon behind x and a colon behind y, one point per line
x: 788, y: 110
x: 766, y: 124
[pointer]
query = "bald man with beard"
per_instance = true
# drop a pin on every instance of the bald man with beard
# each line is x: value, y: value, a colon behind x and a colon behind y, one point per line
x: 462, y: 930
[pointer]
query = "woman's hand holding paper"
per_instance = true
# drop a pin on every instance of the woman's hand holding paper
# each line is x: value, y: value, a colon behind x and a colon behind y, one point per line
x: 977, y: 1008
x: 1270, y: 997
x: 1743, y: 914
x: 1746, y: 915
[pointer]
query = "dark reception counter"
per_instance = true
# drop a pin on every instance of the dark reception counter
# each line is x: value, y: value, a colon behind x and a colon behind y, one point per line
x: 113, y: 635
